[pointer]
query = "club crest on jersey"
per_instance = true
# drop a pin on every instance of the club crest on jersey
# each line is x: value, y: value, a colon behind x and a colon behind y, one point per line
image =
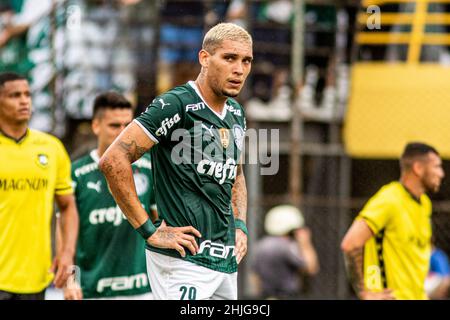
x: 224, y: 137
x: 42, y: 160
x: 239, y: 134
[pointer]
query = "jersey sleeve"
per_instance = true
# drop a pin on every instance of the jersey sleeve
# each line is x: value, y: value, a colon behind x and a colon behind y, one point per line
x: 376, y: 213
x: 162, y: 117
x: 63, y: 184
x: 293, y: 256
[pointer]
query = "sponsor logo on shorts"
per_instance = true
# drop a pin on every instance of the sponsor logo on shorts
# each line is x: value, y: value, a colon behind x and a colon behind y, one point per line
x: 217, y: 250
x: 123, y: 283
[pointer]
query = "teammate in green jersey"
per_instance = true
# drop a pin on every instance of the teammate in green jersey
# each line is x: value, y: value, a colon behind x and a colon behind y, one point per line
x: 110, y: 254
x: 195, y: 133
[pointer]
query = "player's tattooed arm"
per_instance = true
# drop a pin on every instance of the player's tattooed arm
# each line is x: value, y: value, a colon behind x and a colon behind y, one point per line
x: 354, y: 262
x: 131, y: 149
x: 239, y: 205
x: 353, y: 247
x: 116, y: 166
x: 239, y: 196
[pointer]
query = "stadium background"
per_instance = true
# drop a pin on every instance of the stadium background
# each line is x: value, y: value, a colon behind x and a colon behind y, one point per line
x: 345, y: 93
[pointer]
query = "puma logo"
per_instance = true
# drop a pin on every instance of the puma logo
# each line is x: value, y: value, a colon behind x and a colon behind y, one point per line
x: 210, y: 129
x: 95, y: 186
x: 163, y: 104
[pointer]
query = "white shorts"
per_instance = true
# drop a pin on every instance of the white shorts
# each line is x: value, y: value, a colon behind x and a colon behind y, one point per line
x: 177, y: 279
x: 145, y: 296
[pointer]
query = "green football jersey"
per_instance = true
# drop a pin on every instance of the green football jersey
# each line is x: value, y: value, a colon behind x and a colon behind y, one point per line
x: 195, y: 165
x: 110, y: 253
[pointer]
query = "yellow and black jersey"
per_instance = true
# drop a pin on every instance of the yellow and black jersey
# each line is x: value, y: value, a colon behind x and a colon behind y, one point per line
x: 32, y: 171
x: 398, y: 255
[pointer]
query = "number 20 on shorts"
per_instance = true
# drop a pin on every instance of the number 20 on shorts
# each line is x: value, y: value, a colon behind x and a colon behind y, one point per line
x: 190, y: 291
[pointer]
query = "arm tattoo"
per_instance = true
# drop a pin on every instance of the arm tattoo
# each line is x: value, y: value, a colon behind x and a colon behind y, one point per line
x: 132, y: 150
x: 239, y: 196
x: 354, y: 262
x: 108, y: 168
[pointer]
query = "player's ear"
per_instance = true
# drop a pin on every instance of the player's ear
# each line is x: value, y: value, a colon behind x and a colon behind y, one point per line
x: 95, y: 125
x: 203, y: 58
x: 418, y: 167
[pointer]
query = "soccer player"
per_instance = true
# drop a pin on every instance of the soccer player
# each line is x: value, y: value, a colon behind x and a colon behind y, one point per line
x: 195, y: 133
x: 35, y: 170
x: 387, y: 248
x: 110, y: 254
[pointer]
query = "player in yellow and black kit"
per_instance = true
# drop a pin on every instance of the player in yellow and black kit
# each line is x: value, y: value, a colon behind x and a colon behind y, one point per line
x: 388, y: 247
x: 34, y: 170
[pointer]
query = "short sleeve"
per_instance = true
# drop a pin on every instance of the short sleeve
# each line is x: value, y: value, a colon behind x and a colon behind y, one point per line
x: 63, y: 184
x: 376, y: 214
x: 162, y: 117
x: 293, y: 256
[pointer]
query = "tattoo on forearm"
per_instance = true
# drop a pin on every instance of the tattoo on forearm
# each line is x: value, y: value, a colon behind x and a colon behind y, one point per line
x: 108, y: 167
x: 132, y: 150
x: 239, y: 196
x: 354, y: 261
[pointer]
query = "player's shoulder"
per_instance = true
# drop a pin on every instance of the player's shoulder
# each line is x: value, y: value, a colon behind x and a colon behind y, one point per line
x: 389, y: 190
x: 176, y: 97
x: 388, y: 194
x: 41, y: 137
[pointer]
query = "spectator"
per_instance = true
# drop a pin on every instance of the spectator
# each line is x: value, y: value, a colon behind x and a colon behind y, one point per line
x: 15, y: 20
x: 286, y: 253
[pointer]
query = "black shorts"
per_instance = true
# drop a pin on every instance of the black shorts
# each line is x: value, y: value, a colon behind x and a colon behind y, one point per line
x: 4, y: 295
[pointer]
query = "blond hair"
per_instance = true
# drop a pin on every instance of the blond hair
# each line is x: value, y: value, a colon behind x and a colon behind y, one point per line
x: 225, y: 31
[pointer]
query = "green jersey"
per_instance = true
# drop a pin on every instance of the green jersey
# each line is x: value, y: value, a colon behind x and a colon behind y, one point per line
x: 195, y: 163
x: 110, y: 253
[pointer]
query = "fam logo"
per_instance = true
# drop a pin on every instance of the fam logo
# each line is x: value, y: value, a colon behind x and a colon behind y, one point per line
x: 195, y: 107
x: 42, y: 160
